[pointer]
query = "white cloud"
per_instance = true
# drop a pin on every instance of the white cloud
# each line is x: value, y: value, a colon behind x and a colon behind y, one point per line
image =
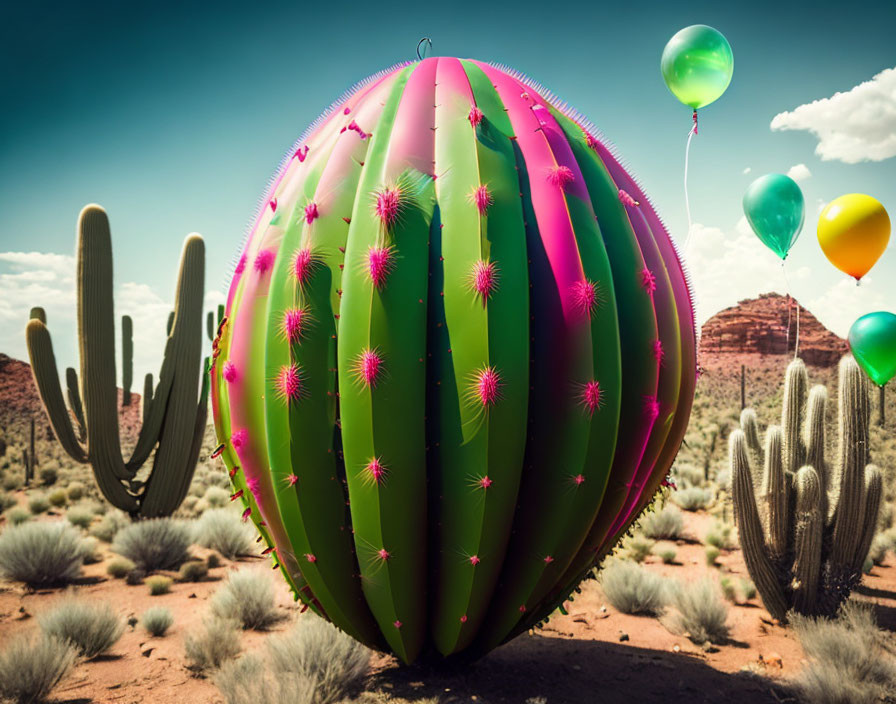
x: 747, y: 170
x: 799, y: 172
x: 839, y: 306
x: 858, y: 125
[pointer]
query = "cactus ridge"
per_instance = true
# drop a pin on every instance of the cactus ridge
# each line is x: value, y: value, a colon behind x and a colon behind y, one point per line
x: 802, y: 555
x: 465, y: 366
x: 173, y: 419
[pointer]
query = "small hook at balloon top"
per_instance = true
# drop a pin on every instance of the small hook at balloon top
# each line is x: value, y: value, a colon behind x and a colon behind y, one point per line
x: 425, y: 40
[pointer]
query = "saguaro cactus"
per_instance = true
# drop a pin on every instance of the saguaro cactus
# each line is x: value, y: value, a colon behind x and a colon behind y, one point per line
x: 173, y: 422
x: 803, y: 549
x: 458, y: 358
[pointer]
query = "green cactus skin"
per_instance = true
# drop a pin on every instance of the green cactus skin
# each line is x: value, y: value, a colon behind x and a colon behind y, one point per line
x: 809, y: 558
x: 127, y: 359
x: 456, y: 360
x: 173, y: 422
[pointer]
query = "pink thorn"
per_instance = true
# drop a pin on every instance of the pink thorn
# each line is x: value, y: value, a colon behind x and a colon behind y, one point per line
x: 354, y: 126
x: 294, y: 320
x: 292, y: 479
x: 488, y: 386
x: 463, y: 619
x: 658, y: 351
x: 591, y: 141
x: 579, y: 479
x: 651, y: 407
x: 367, y: 367
x: 384, y: 554
x: 585, y: 296
x: 397, y: 624
x: 388, y: 206
x: 475, y: 116
x: 485, y: 482
x: 311, y: 213
x: 254, y: 486
x: 548, y: 560
x: 626, y: 199
x: 522, y: 608
x: 380, y: 263
x: 268, y: 551
x: 592, y: 396
x: 263, y: 260
x: 239, y: 438
x: 668, y: 482
x: 310, y: 557
x: 303, y: 265
x: 346, y: 111
x: 484, y: 279
x: 240, y: 266
x: 482, y: 197
x: 289, y: 382
x: 475, y: 560
x: 301, y: 153
x: 236, y: 495
x: 229, y: 372
x: 246, y: 514
x: 376, y: 469
x: 561, y: 176
x: 648, y: 280
x: 274, y: 205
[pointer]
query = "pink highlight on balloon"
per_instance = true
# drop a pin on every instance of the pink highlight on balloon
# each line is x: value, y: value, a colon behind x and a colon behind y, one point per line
x: 229, y: 372
x: 264, y: 260
x: 484, y: 279
x: 560, y: 176
x: 475, y: 116
x: 388, y: 206
x: 482, y: 198
x: 380, y: 263
x: 312, y: 213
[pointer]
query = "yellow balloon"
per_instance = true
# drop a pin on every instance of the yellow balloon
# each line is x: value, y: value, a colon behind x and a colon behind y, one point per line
x: 853, y: 231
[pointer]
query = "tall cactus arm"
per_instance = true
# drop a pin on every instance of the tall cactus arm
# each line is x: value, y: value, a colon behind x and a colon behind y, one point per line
x: 210, y: 326
x: 73, y: 392
x: 873, y: 494
x: 750, y: 529
x: 808, y: 525
x: 854, y: 421
x: 775, y: 492
x: 127, y: 359
x: 46, y: 378
x: 795, y: 389
x: 815, y: 437
x: 38, y: 313
x: 147, y: 397
x: 750, y: 425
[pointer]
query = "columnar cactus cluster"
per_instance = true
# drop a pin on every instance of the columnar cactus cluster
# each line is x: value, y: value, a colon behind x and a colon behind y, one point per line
x: 173, y: 422
x: 457, y: 359
x: 805, y: 541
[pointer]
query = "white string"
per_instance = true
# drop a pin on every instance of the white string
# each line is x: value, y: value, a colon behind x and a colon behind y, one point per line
x: 687, y: 202
x: 796, y: 344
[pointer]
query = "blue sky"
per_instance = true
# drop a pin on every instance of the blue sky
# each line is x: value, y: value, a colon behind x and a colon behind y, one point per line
x: 174, y: 115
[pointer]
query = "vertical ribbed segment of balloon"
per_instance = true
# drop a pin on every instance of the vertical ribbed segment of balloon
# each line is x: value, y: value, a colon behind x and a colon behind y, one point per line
x: 385, y: 421
x: 556, y: 452
x: 480, y: 361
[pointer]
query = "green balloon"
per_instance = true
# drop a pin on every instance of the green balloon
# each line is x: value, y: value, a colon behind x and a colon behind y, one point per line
x: 697, y: 65
x: 775, y: 209
x: 872, y: 340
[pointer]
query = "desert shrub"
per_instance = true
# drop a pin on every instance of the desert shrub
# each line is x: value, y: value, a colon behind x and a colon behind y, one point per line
x: 699, y: 613
x: 11, y: 482
x: 79, y: 516
x: 119, y: 567
x: 867, y: 566
x: 159, y: 584
x: 631, y: 589
x: 49, y: 475
x: 91, y: 627
x: 666, y: 553
x: 193, y: 571
x: 712, y: 554
x: 719, y: 536
x: 157, y: 544
x: 637, y: 547
x: 58, y: 498
x: 157, y: 620
x: 135, y: 577
x: 728, y: 589
x: 692, y: 498
x: 17, y: 515
x: 89, y: 548
x: 213, y: 560
x: 222, y: 530
x: 665, y: 524
x: 879, y: 547
x: 216, y: 497
x: 31, y: 667
x: 41, y: 554
x: 848, y: 658
x: 217, y: 641
x: 37, y: 503
x: 108, y: 527
x: 687, y: 475
x: 313, y: 663
x: 76, y: 491
x: 747, y: 589
x: 7, y: 501
x: 247, y: 597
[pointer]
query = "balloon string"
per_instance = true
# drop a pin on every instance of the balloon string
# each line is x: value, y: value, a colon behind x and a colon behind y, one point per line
x: 790, y: 299
x: 687, y: 202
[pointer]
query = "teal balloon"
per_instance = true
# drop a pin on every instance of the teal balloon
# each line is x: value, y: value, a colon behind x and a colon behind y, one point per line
x: 775, y: 209
x: 872, y: 340
x: 697, y: 65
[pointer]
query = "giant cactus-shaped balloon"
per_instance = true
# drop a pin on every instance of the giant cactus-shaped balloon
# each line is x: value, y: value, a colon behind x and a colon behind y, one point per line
x: 457, y: 358
x: 173, y: 422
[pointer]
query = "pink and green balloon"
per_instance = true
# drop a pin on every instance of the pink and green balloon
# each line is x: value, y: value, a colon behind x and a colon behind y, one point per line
x: 697, y: 65
x: 775, y: 209
x: 872, y: 340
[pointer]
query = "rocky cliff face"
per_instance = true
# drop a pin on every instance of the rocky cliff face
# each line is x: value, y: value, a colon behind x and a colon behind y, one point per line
x: 767, y: 326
